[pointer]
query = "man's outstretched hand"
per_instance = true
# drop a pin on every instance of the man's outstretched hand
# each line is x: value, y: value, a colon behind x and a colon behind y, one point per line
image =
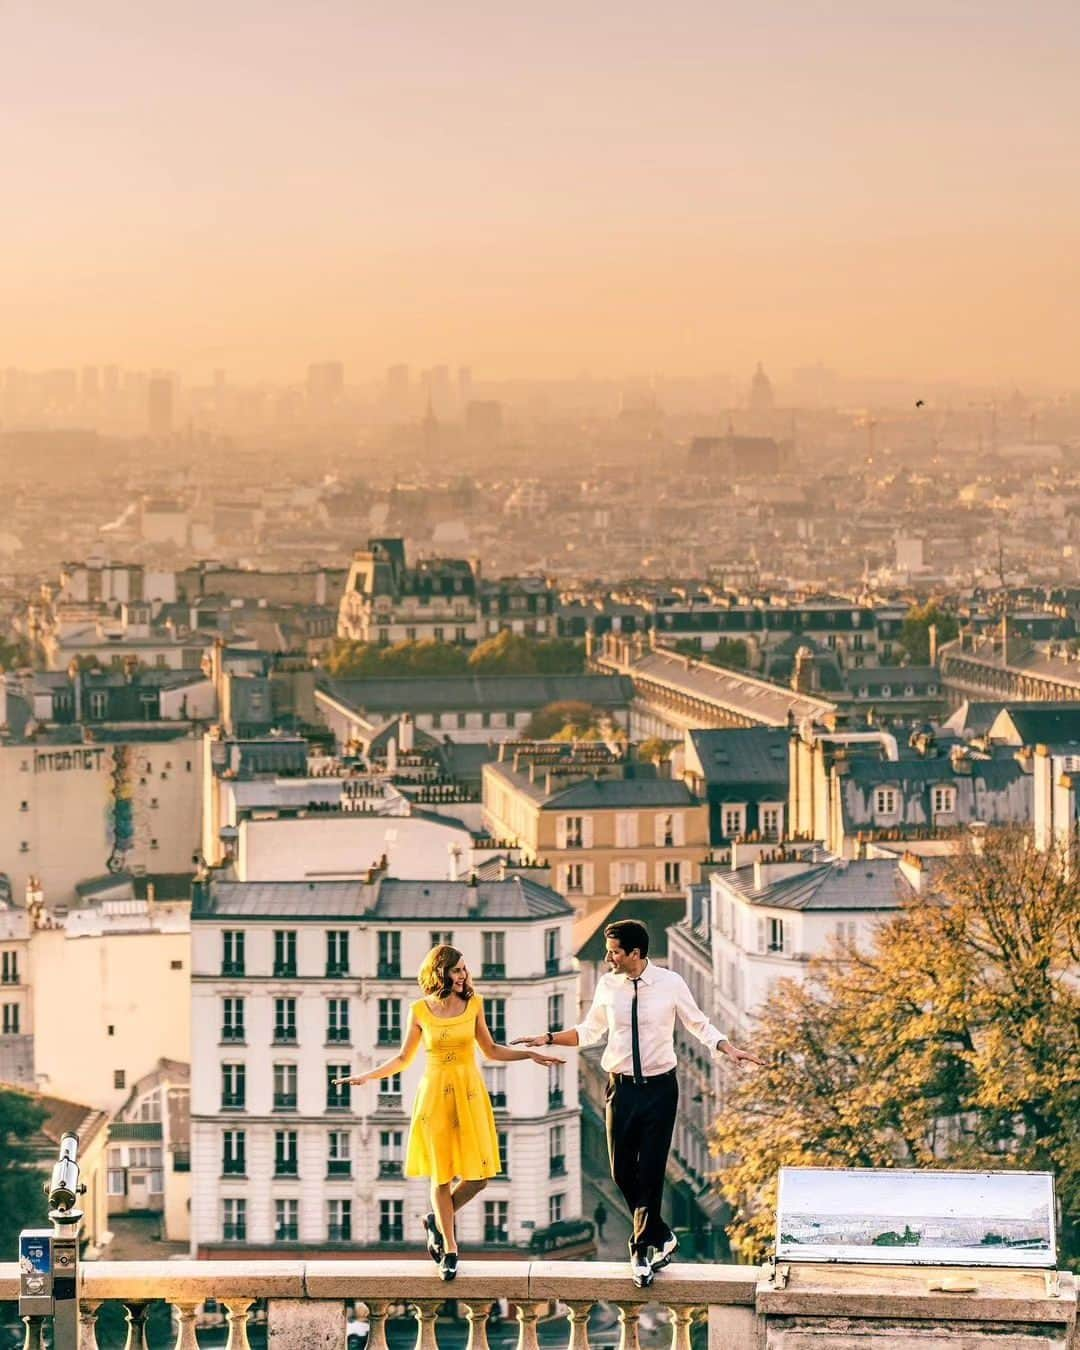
x: 740, y: 1056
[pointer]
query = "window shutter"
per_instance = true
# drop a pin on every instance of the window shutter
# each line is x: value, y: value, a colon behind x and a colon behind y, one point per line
x: 632, y: 830
x: 658, y: 829
x: 588, y: 882
x: 641, y: 874
x: 761, y: 937
x: 560, y: 832
x: 586, y: 832
x: 680, y: 828
x: 614, y: 877
x: 659, y: 876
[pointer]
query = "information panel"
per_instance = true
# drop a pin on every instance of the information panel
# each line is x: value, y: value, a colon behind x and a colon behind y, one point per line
x: 901, y: 1217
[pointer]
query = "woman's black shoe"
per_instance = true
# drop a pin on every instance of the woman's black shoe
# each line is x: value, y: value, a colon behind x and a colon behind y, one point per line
x: 434, y: 1238
x: 448, y: 1266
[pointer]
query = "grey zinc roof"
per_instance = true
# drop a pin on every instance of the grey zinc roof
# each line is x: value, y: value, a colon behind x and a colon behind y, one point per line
x: 516, y: 898
x: 477, y: 693
x: 743, y: 754
x: 620, y: 792
x: 596, y: 793
x: 872, y: 884
x: 765, y: 702
x: 1052, y: 724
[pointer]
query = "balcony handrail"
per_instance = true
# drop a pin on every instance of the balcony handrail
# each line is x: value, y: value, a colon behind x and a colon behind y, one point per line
x: 306, y: 1299
x: 191, y: 1282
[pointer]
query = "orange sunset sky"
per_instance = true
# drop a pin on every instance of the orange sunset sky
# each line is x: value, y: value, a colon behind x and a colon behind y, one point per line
x: 537, y: 189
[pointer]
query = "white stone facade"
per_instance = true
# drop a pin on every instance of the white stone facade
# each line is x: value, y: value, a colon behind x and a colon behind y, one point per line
x: 336, y: 1169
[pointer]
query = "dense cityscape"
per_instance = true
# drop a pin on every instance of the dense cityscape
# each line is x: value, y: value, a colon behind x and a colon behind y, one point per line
x: 539, y: 607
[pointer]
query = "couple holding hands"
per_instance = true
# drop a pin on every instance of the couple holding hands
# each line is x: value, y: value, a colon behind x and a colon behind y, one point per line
x: 453, y: 1139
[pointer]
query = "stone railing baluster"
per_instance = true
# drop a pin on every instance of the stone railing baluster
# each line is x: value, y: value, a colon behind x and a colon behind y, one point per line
x: 628, y: 1326
x: 578, y: 1315
x: 426, y: 1310
x: 135, y: 1316
x: 528, y: 1314
x: 88, y: 1315
x: 186, y: 1338
x: 237, y: 1311
x: 682, y: 1321
x: 377, y: 1310
x: 477, y: 1314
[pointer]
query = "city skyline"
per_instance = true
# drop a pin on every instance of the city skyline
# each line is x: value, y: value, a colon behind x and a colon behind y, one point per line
x: 543, y: 193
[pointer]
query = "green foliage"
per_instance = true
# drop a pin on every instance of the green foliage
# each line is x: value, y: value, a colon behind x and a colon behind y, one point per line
x: 404, y: 658
x: 568, y: 720
x: 505, y: 654
x: 915, y: 634
x: 954, y: 1042
x: 731, y: 652
x: 656, y: 749
x: 511, y: 654
x: 14, y: 653
x: 22, y: 1203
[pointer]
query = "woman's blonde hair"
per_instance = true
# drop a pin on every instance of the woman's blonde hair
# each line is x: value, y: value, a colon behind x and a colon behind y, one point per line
x: 434, y: 974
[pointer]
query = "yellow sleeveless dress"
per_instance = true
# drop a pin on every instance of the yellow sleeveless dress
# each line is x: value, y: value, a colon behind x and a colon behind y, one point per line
x: 453, y: 1126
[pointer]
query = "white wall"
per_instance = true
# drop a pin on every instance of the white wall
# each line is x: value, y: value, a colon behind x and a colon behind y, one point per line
x: 191, y: 702
x: 60, y: 801
x: 318, y: 845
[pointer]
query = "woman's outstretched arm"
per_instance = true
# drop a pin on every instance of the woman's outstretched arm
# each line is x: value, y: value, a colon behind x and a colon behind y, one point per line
x: 503, y: 1053
x: 404, y: 1057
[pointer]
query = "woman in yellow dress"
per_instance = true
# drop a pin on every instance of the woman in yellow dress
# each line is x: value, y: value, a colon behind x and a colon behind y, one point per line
x: 452, y: 1138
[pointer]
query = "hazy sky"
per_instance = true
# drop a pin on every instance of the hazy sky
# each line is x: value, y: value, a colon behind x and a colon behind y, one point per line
x: 681, y: 186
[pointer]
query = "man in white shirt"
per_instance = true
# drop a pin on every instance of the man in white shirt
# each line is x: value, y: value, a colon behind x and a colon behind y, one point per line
x: 635, y: 1006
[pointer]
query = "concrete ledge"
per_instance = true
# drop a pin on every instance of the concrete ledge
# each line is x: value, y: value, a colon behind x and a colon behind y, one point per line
x: 192, y: 1281
x: 9, y: 1281
x: 856, y: 1292
x: 411, y: 1279
x: 679, y: 1283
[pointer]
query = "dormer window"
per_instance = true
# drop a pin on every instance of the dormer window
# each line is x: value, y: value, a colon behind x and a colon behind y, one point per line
x: 885, y: 801
x: 944, y: 800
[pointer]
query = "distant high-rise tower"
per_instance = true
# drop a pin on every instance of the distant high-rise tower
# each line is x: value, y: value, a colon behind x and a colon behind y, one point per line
x: 430, y: 429
x: 464, y: 386
x: 397, y: 390
x: 159, y: 405
x: 437, y: 380
x: 761, y: 391
x: 325, y: 383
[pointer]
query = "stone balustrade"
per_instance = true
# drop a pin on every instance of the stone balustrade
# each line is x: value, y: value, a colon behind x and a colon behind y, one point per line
x: 744, y: 1308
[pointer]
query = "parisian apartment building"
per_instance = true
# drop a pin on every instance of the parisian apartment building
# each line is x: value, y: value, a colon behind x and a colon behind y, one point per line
x: 295, y: 984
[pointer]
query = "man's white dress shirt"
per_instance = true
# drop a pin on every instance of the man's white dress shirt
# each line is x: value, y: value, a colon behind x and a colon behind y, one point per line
x: 662, y: 996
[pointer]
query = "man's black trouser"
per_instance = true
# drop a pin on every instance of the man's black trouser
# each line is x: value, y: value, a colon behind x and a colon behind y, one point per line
x: 640, y: 1121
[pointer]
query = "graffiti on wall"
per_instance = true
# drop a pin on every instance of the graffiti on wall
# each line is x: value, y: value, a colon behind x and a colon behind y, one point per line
x: 120, y: 813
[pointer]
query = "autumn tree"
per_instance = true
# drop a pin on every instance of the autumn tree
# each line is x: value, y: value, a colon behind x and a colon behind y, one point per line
x: 22, y: 1204
x: 513, y: 654
x: 915, y: 633
x: 731, y: 652
x: 425, y: 657
x: 953, y: 1042
x: 656, y: 749
x: 569, y: 719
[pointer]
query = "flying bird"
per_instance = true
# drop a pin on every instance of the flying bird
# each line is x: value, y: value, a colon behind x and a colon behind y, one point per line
x: 919, y: 403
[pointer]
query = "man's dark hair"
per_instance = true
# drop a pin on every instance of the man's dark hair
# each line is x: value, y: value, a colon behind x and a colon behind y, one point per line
x: 629, y: 934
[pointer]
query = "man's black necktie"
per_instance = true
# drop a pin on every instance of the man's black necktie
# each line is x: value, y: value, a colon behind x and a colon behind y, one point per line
x: 635, y: 1037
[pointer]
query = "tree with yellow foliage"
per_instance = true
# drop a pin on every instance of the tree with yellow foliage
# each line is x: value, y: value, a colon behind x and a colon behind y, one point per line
x: 954, y: 1042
